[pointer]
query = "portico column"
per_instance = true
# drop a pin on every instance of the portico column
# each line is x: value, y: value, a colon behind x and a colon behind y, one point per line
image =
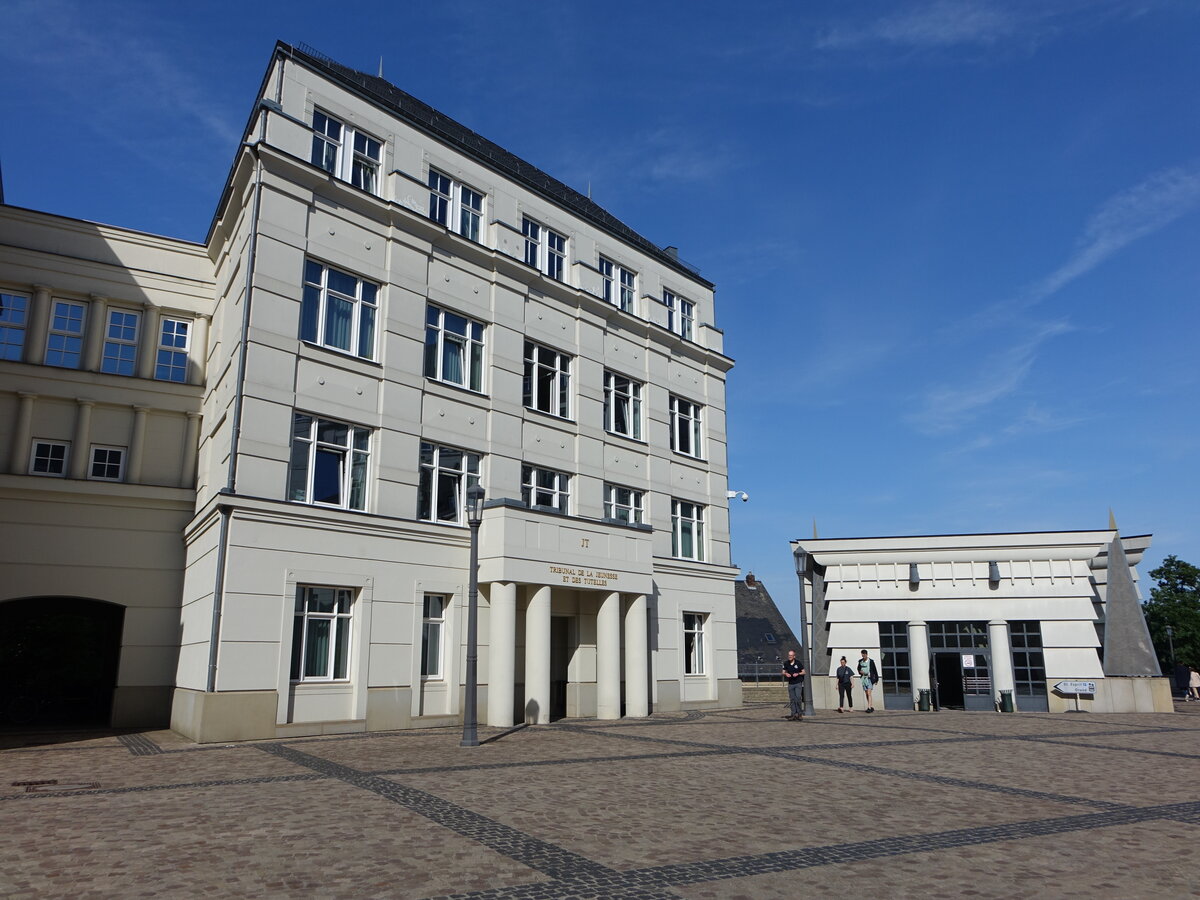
x: 198, y: 350
x: 22, y: 434
x: 502, y: 654
x: 96, y: 327
x: 148, y: 351
x: 637, y: 659
x: 137, y: 444
x: 38, y: 325
x: 918, y: 656
x: 79, y: 445
x: 191, y: 448
x: 537, y: 658
x: 1002, y: 667
x: 608, y: 657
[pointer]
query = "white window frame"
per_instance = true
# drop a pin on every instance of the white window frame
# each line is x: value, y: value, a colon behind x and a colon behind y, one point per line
x: 618, y: 285
x: 360, y: 166
x: 687, y: 431
x: 319, y: 295
x: 45, y: 461
x: 546, y: 386
x: 121, y: 334
x: 14, y: 318
x: 103, y: 455
x: 173, y: 349
x: 340, y: 638
x: 624, y: 504
x: 545, y: 248
x: 309, y: 447
x: 540, y: 484
x: 437, y: 473
x: 64, y: 337
x: 694, y: 644
x: 681, y: 315
x: 620, y: 392
x: 433, y: 634
x: 457, y: 206
x: 442, y: 330
x: 687, y: 520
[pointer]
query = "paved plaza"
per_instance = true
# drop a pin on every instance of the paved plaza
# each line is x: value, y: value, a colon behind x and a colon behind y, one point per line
x: 738, y: 804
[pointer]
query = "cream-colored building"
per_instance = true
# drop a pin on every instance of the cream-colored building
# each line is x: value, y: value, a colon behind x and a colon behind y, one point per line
x: 968, y: 617
x: 388, y: 309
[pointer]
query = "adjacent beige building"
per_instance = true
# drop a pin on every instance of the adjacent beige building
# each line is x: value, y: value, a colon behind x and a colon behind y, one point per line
x: 254, y: 452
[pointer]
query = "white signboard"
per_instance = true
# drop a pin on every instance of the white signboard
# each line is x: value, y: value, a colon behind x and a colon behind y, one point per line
x: 1076, y: 687
x: 968, y: 660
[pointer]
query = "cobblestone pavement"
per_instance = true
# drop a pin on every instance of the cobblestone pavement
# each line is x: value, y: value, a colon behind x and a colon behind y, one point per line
x: 737, y: 804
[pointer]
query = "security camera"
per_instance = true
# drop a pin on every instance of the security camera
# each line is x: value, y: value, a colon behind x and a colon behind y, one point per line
x: 729, y: 495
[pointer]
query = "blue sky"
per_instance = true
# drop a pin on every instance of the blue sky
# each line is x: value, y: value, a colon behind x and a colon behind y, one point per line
x: 955, y: 243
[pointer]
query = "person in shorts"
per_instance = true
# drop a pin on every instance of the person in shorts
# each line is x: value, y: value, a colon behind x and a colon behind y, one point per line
x: 868, y: 675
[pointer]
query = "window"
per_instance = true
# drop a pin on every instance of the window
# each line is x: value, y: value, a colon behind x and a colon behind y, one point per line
x: 681, y: 315
x: 13, y: 312
x: 108, y: 463
x: 321, y: 634
x: 171, y: 362
x: 687, y: 530
x: 893, y: 650
x: 618, y: 284
x: 769, y: 637
x: 49, y: 458
x: 64, y: 343
x: 338, y: 310
x: 685, y: 426
x: 545, y: 250
x: 446, y: 196
x: 693, y: 643
x: 547, y: 380
x: 545, y: 488
x: 329, y: 463
x: 432, y: 626
x: 120, y: 343
x: 622, y: 405
x: 453, y: 349
x: 1029, y: 663
x: 360, y: 166
x: 623, y: 504
x: 446, y: 473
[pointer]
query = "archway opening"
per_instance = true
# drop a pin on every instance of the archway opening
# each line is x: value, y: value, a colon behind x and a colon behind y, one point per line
x: 58, y: 661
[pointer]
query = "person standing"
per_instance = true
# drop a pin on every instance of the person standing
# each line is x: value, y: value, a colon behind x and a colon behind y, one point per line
x: 869, y: 675
x: 793, y: 674
x: 845, y: 684
x: 1193, y: 683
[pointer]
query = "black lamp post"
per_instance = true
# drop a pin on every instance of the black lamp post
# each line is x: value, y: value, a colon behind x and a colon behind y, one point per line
x: 1171, y: 645
x: 470, y: 736
x: 802, y: 560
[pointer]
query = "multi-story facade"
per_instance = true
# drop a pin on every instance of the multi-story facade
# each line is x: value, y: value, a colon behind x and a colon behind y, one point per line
x: 388, y: 310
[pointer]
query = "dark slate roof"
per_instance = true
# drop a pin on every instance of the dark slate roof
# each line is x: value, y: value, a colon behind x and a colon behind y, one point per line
x: 457, y: 135
x: 758, y: 616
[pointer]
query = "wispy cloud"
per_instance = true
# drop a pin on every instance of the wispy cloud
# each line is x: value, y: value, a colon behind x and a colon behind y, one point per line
x: 946, y: 408
x: 940, y: 24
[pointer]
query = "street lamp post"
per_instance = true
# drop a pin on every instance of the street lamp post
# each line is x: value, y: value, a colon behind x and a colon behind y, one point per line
x: 1171, y: 647
x: 470, y: 736
x: 802, y: 559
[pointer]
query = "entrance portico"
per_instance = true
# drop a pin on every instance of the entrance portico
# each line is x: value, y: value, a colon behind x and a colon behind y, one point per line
x: 536, y: 565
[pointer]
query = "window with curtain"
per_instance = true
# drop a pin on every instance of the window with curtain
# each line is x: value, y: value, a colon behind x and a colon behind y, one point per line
x: 545, y: 488
x: 693, y: 643
x: 345, y: 152
x: 329, y: 462
x: 433, y: 625
x: 622, y: 405
x: 687, y: 530
x: 453, y: 204
x: 547, y: 383
x: 321, y: 634
x: 685, y: 426
x: 338, y: 310
x: 446, y: 473
x: 453, y: 349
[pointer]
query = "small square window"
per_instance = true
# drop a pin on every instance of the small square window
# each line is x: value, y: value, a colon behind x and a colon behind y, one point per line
x: 49, y: 458
x: 107, y: 463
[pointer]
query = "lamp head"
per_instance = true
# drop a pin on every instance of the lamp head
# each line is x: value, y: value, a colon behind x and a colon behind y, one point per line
x: 475, y: 496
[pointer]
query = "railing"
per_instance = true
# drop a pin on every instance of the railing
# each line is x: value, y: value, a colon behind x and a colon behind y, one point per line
x: 761, y: 673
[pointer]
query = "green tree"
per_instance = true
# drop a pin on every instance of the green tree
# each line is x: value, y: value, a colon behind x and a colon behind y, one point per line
x: 1175, y: 601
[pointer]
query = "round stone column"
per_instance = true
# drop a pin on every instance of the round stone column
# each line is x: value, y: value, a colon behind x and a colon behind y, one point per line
x: 1003, y: 678
x: 537, y: 657
x: 918, y: 657
x: 608, y: 657
x: 502, y: 653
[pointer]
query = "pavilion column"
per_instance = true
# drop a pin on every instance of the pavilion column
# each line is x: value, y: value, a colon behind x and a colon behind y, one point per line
x: 37, y: 325
x: 148, y: 349
x: 22, y: 434
x: 137, y: 445
x: 608, y: 657
x: 1003, y: 678
x: 96, y: 326
x: 198, y: 350
x: 537, y: 657
x: 637, y: 659
x: 502, y: 653
x: 918, y: 657
x: 82, y: 438
x: 191, y: 450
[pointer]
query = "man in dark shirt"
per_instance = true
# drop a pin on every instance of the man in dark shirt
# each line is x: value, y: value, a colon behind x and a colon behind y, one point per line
x: 793, y: 674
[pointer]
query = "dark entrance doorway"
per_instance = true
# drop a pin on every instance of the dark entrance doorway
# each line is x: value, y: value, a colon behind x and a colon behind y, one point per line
x: 58, y: 661
x: 948, y: 682
x: 560, y: 656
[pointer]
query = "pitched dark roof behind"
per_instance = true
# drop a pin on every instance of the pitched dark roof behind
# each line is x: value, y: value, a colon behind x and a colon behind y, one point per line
x: 496, y: 157
x: 757, y: 616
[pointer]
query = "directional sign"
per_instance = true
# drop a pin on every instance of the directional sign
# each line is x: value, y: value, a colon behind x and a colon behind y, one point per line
x: 1076, y: 687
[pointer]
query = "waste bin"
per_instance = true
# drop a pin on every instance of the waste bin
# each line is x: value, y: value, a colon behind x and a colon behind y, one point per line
x: 1006, y: 701
x: 923, y: 699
